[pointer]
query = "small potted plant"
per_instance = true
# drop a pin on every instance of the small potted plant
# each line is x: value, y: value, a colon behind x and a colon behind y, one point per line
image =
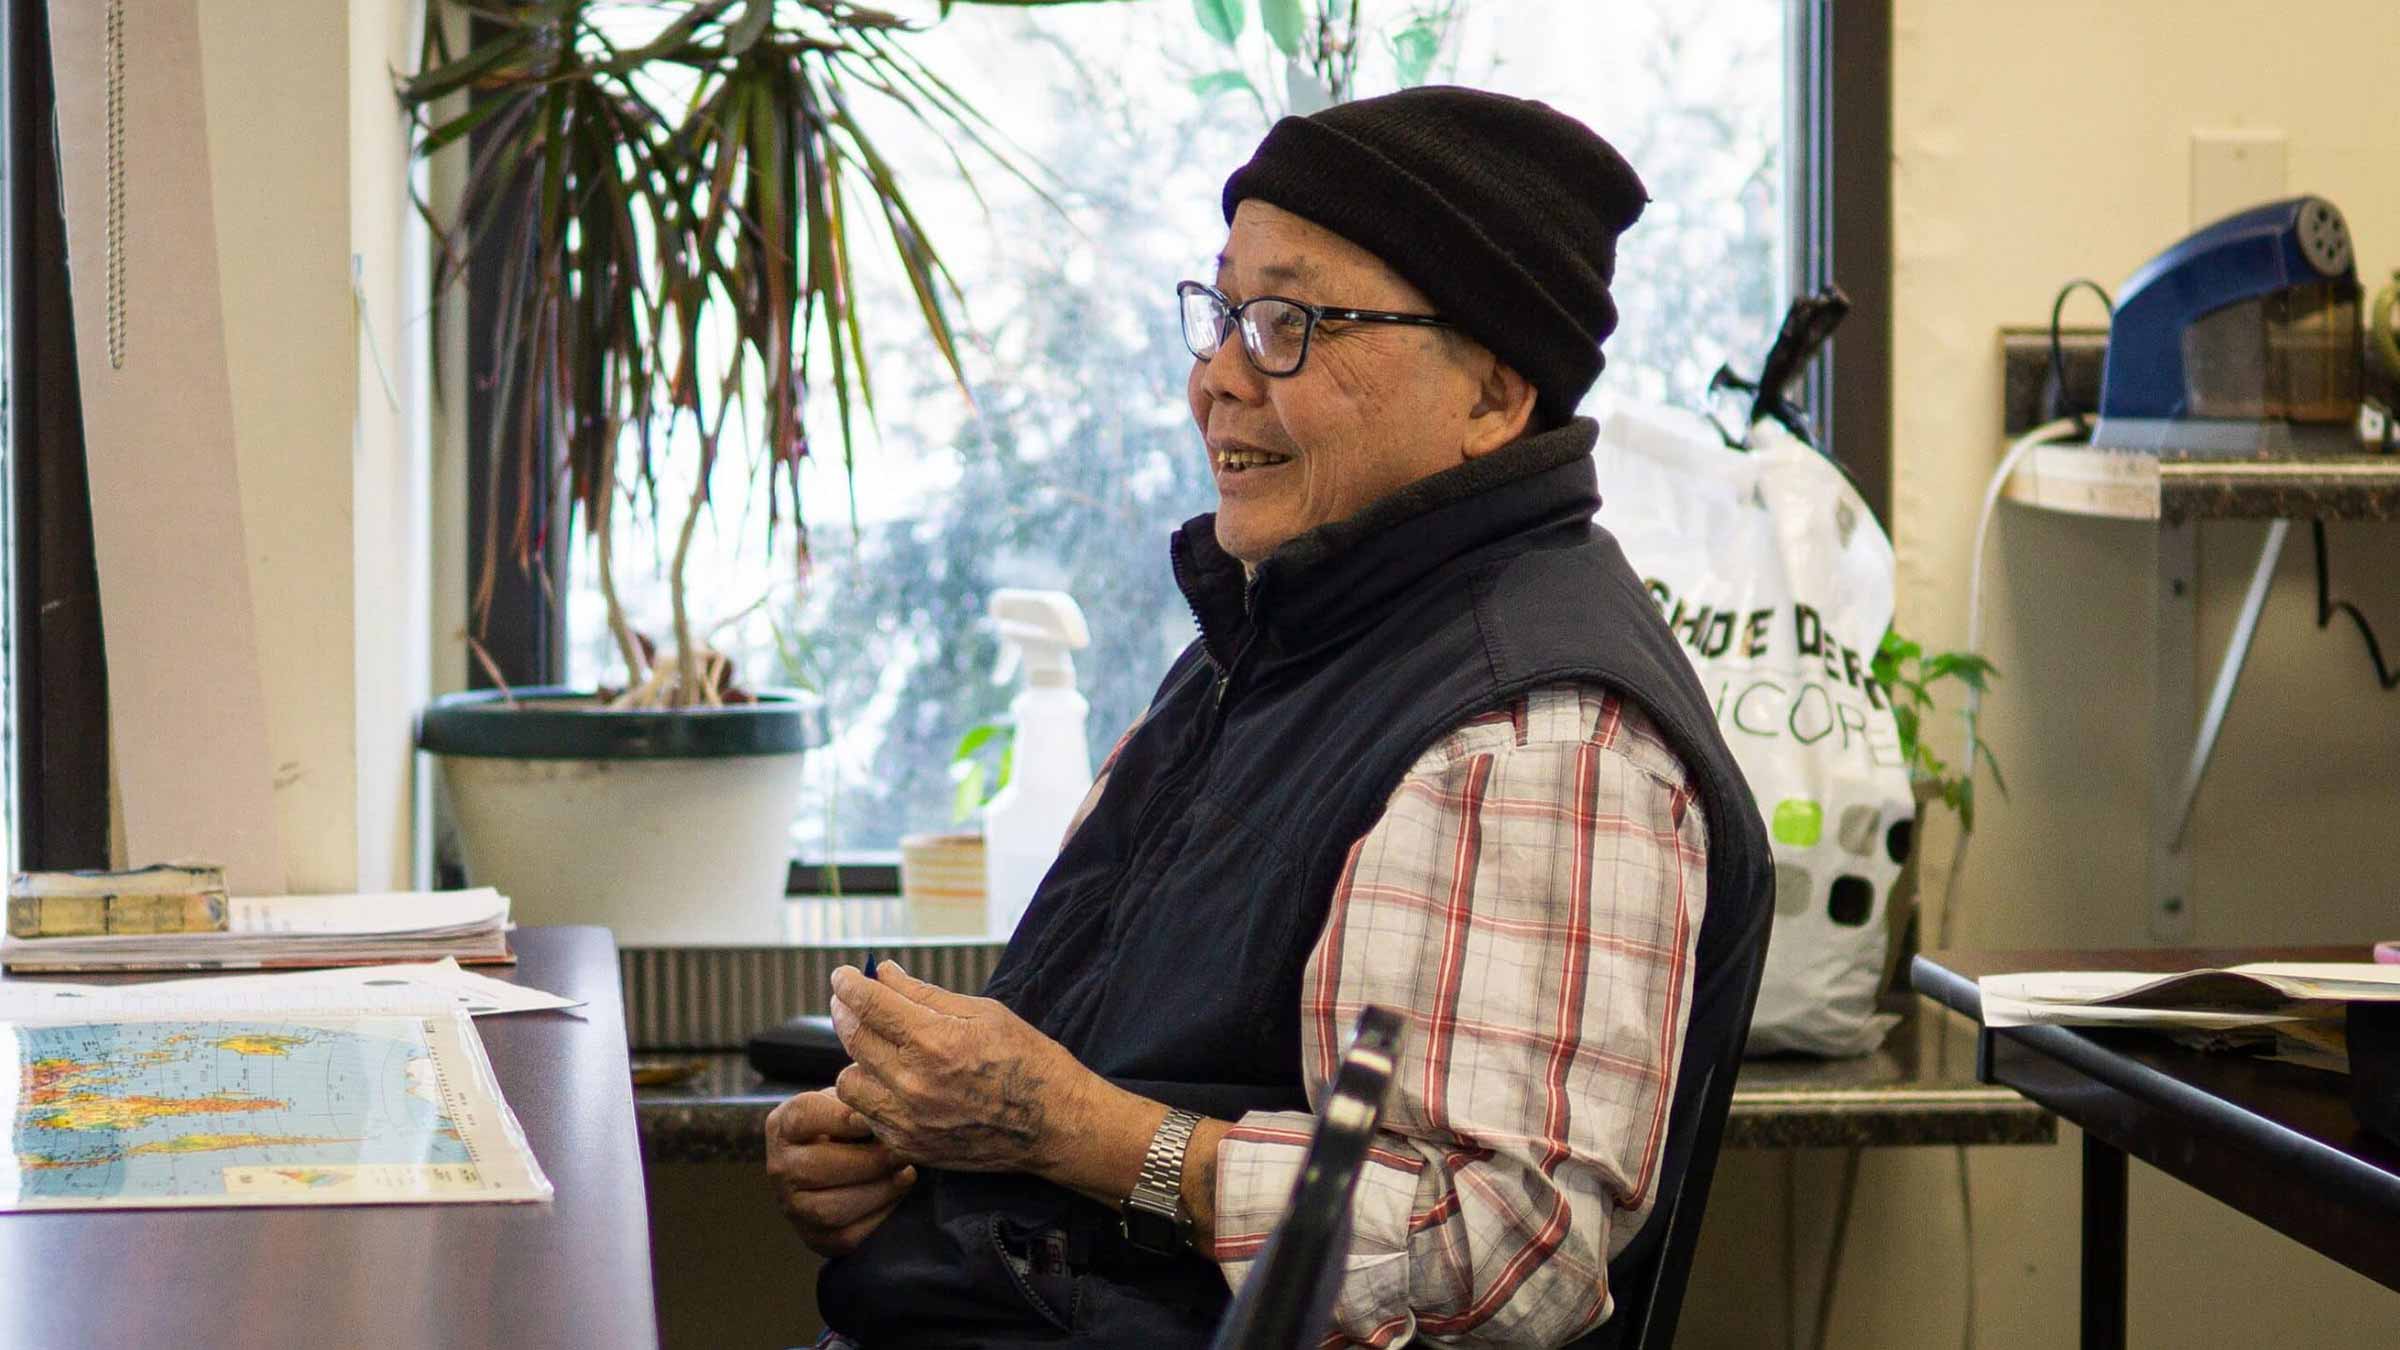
x: 1907, y: 674
x: 678, y: 193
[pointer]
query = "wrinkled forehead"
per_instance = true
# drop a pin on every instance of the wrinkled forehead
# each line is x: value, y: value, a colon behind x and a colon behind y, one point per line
x: 1276, y: 271
x: 1269, y: 250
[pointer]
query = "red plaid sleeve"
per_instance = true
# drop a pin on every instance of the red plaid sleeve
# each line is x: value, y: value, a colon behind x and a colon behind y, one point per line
x: 1530, y: 899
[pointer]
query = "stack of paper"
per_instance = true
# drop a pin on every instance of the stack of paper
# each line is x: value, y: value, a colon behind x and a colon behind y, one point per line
x: 296, y: 931
x: 2261, y: 994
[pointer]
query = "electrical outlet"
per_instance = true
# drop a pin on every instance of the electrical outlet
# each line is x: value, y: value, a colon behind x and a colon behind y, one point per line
x: 2233, y: 170
x: 2025, y: 370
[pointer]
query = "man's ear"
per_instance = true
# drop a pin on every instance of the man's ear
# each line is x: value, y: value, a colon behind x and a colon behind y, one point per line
x: 1503, y: 407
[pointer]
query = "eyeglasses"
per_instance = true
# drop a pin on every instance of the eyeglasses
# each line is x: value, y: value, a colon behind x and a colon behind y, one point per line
x: 1275, y: 329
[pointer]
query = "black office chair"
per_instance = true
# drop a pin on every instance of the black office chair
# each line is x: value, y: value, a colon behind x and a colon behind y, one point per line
x: 1288, y: 1299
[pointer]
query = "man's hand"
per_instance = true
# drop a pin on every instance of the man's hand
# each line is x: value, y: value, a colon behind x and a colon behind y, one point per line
x: 834, y: 1181
x: 957, y: 1082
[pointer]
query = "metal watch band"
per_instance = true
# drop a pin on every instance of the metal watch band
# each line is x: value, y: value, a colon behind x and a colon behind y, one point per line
x: 1159, y: 1191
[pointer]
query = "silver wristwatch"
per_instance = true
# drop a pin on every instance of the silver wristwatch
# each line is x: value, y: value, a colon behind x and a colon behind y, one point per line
x: 1155, y: 1218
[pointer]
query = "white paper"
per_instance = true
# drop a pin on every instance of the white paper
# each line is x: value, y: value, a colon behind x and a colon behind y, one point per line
x: 2370, y: 978
x: 2257, y: 994
x: 2064, y: 986
x: 442, y: 983
x: 28, y: 1003
x: 2001, y: 1011
x: 388, y: 914
x: 437, y: 987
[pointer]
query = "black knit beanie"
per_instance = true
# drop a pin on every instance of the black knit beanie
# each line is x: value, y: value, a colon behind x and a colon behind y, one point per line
x: 1504, y: 211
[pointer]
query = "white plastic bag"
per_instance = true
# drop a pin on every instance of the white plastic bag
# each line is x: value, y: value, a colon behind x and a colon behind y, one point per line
x: 1778, y: 583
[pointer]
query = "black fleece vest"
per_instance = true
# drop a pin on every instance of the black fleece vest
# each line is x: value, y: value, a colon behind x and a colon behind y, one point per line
x: 1165, y: 946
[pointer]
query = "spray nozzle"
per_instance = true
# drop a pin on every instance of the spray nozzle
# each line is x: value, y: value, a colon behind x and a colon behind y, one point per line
x: 1038, y: 629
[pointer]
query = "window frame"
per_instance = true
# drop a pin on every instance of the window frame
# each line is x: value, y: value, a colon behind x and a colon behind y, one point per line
x: 1837, y: 128
x: 54, y: 640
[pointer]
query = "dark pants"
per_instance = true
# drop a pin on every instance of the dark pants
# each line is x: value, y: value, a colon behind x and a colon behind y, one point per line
x: 992, y: 1281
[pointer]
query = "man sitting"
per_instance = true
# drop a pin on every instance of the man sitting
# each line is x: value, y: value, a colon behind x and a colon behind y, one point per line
x: 1433, y: 749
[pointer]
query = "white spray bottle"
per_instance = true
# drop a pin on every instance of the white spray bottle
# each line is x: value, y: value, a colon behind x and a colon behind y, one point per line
x: 1050, y: 765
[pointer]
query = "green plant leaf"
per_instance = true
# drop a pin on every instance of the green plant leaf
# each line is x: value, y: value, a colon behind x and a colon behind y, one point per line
x: 463, y: 125
x: 449, y: 78
x: 747, y: 30
x: 1985, y: 752
x: 1219, y: 82
x: 1222, y: 19
x: 1284, y: 23
x: 976, y: 738
x: 967, y: 798
x: 1970, y: 670
x: 969, y: 771
x: 1413, y: 50
x: 678, y: 41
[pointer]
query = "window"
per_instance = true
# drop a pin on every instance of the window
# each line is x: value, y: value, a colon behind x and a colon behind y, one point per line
x: 54, y: 711
x: 1077, y: 457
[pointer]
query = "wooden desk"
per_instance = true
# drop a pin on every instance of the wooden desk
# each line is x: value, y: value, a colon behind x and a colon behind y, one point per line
x: 572, y: 1272
x: 2275, y: 1141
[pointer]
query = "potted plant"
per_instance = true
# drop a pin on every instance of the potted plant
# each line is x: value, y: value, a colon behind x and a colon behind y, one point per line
x: 1907, y: 673
x: 676, y: 193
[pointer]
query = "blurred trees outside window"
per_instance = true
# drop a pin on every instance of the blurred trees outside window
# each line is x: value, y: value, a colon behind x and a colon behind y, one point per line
x: 1077, y: 457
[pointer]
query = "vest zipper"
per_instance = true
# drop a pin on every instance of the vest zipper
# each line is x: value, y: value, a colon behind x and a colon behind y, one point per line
x: 1225, y: 676
x: 1173, y: 789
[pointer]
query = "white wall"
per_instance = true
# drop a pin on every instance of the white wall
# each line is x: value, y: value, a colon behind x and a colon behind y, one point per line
x: 308, y: 161
x: 392, y: 489
x: 2035, y: 142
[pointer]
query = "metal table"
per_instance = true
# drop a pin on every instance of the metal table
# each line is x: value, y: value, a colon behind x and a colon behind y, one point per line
x: 2276, y: 1141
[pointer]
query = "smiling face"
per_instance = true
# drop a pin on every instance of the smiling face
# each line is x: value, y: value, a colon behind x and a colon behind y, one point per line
x: 1375, y: 408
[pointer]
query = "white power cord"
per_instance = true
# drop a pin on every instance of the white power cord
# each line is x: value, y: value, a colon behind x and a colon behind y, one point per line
x: 2048, y: 433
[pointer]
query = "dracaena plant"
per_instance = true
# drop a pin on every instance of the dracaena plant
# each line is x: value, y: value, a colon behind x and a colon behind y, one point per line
x: 679, y: 218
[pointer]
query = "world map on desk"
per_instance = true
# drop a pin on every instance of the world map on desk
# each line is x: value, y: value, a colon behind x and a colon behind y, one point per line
x: 177, y: 1112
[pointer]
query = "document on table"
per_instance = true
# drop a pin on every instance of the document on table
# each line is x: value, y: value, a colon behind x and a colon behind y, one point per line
x: 439, y: 986
x: 2258, y: 994
x: 170, y: 1112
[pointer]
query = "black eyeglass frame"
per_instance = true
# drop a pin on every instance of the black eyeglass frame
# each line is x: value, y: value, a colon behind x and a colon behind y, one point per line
x: 1316, y: 314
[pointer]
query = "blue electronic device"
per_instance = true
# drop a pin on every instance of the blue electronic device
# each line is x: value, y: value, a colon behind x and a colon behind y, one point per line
x: 2241, y: 340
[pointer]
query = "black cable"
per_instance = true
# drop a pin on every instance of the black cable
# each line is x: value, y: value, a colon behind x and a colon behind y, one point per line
x: 2326, y: 607
x: 2058, y: 356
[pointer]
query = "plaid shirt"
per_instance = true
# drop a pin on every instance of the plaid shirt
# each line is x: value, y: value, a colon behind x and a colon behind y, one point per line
x: 1530, y: 899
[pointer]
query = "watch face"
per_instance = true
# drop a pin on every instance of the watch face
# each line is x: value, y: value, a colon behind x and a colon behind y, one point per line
x: 1153, y: 1233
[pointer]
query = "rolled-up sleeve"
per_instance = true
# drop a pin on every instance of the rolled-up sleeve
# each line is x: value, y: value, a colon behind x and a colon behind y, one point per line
x: 1530, y: 899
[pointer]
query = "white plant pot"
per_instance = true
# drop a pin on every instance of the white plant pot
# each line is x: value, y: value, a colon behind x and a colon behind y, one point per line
x: 669, y: 828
